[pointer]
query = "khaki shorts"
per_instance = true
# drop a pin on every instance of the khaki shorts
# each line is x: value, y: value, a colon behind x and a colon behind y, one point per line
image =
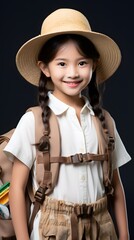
x: 64, y: 221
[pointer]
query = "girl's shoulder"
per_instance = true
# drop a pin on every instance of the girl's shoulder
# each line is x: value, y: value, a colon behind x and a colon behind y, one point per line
x: 30, y: 115
x: 26, y: 117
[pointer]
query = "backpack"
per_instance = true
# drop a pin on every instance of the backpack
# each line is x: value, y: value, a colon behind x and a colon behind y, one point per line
x: 48, y: 164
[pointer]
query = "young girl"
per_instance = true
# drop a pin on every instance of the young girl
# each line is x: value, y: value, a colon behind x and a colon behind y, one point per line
x: 66, y: 59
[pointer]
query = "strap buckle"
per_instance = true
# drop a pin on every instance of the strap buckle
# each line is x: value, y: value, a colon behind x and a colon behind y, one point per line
x: 111, y: 143
x: 77, y: 158
x: 80, y: 158
x: 46, y: 147
x: 83, y: 157
x: 40, y: 194
x: 83, y: 210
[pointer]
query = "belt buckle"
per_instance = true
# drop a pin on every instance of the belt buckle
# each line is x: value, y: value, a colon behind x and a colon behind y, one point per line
x: 75, y: 159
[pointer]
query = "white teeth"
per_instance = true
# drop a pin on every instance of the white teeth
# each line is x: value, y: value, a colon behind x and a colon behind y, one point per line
x: 72, y: 82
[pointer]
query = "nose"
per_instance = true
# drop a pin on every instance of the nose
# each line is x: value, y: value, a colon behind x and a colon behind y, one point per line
x: 73, y: 72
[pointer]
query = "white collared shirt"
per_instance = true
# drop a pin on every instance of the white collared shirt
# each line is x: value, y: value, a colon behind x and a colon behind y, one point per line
x: 79, y: 184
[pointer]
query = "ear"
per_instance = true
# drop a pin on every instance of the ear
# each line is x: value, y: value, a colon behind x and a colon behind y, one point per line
x: 44, y: 68
x: 95, y: 63
x: 94, y: 66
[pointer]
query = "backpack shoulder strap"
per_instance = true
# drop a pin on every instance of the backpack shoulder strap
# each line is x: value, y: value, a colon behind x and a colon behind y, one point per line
x: 54, y: 129
x: 109, y: 123
x: 109, y: 130
x: 108, y: 133
x: 102, y: 137
x: 106, y: 145
x: 111, y: 144
x: 46, y: 173
x: 54, y: 138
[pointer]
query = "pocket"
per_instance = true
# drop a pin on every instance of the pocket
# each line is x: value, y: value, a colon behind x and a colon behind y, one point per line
x: 54, y: 226
x: 107, y: 229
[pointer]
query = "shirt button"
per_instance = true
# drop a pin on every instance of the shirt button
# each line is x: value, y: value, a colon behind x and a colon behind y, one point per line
x: 83, y: 178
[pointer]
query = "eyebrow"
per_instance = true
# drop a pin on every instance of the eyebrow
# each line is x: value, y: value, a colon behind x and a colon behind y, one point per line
x: 60, y: 59
x: 65, y: 59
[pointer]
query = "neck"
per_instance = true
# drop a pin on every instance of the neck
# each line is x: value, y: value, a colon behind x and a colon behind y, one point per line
x: 76, y: 102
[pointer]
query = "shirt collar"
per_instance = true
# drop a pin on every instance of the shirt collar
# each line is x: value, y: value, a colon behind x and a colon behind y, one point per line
x: 88, y: 105
x: 58, y: 107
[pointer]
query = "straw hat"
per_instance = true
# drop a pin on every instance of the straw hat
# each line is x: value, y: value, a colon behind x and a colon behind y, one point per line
x: 63, y: 21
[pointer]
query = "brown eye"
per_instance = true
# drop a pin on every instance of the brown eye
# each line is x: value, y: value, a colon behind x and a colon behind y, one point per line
x: 62, y: 64
x: 82, y: 63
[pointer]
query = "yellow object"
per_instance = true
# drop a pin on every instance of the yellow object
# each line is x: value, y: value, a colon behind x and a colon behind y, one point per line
x: 4, y: 194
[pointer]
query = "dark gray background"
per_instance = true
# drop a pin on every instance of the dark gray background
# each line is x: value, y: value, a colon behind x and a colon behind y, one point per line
x: 21, y: 20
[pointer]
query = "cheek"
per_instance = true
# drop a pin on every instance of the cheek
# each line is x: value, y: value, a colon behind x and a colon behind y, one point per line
x: 90, y: 73
x: 56, y: 76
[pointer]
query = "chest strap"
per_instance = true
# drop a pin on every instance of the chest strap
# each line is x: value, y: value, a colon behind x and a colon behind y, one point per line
x: 75, y: 159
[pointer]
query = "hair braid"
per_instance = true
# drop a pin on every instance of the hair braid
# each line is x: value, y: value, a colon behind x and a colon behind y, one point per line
x: 95, y: 100
x: 43, y: 102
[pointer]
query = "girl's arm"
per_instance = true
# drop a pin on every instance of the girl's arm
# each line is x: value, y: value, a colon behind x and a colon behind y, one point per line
x: 120, y: 211
x: 17, y: 199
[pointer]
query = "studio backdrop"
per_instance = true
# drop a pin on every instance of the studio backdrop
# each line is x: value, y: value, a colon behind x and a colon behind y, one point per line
x: 21, y: 20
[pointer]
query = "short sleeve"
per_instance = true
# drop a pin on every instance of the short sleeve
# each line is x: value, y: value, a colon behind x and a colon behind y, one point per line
x: 21, y: 144
x: 120, y: 154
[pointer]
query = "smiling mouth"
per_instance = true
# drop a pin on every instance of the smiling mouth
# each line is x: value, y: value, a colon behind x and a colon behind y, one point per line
x: 72, y: 83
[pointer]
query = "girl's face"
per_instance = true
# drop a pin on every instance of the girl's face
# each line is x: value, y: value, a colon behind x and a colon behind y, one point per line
x: 70, y: 71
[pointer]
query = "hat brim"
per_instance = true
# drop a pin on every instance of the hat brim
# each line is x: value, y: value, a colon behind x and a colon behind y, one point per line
x: 110, y: 55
